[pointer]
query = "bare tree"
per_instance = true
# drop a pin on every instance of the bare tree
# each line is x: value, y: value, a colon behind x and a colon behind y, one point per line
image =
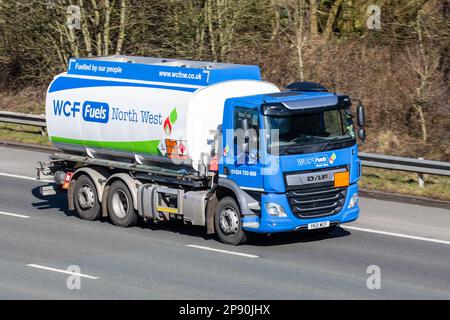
x: 424, y: 62
x: 295, y: 32
x: 122, y: 24
x: 313, y: 25
x: 223, y: 17
x: 332, y: 18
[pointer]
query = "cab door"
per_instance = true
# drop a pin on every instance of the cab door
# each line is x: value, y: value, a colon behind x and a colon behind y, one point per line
x: 241, y: 151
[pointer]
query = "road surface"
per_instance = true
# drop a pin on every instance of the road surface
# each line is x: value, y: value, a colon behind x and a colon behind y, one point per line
x: 46, y: 252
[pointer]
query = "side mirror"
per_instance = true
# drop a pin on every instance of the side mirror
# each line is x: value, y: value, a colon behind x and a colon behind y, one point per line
x: 360, y: 116
x: 362, y: 134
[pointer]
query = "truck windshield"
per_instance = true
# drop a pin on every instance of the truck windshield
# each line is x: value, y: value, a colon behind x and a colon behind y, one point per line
x: 310, y: 132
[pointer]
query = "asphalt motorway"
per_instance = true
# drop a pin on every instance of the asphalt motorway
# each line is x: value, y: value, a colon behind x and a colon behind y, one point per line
x: 46, y: 252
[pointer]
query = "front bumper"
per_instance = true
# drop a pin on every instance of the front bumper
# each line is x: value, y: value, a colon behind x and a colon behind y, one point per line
x: 266, y: 223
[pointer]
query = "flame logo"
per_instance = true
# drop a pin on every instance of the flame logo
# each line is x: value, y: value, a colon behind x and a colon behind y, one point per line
x: 332, y: 158
x: 167, y: 126
x: 170, y: 121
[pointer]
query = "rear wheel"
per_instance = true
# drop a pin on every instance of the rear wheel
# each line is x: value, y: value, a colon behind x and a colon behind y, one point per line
x: 86, y: 201
x: 228, y: 222
x: 120, y: 205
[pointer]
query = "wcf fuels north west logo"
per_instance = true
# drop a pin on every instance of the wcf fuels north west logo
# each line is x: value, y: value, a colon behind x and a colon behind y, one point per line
x: 95, y: 111
x: 91, y: 111
x: 321, y: 160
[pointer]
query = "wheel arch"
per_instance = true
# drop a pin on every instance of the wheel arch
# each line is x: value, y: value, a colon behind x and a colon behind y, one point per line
x: 98, y: 175
x: 131, y: 183
x: 227, y: 187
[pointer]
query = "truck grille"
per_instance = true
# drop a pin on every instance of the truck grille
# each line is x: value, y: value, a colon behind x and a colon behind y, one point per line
x: 317, y: 201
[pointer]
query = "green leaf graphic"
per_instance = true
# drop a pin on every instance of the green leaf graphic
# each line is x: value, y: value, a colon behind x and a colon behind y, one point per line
x: 173, y: 115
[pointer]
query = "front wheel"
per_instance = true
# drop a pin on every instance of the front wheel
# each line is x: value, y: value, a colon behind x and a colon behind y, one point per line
x: 228, y: 222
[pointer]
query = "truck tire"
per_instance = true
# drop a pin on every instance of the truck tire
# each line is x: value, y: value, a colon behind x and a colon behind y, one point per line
x: 85, y: 199
x: 228, y: 222
x: 120, y: 205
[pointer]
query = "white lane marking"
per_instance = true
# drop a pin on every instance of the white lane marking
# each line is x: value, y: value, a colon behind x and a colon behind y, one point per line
x: 17, y: 176
x: 223, y: 251
x: 399, y: 235
x: 62, y: 271
x: 13, y: 215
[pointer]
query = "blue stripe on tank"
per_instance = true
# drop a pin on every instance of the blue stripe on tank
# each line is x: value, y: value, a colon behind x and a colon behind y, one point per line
x: 65, y: 83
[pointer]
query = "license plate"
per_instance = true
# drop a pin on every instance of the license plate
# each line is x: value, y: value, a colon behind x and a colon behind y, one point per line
x: 318, y: 225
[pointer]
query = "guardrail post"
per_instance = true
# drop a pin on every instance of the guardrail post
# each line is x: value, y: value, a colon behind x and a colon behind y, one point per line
x: 421, y: 178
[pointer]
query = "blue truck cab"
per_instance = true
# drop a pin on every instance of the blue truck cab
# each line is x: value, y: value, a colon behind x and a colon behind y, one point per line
x: 300, y: 165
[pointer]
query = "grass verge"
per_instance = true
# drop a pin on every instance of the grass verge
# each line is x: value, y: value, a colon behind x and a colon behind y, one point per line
x: 23, y: 134
x: 436, y: 187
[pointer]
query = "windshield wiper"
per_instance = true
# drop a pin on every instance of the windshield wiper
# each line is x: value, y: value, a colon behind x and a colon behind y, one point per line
x: 332, y: 144
x: 314, y: 147
x: 296, y: 148
x: 302, y: 138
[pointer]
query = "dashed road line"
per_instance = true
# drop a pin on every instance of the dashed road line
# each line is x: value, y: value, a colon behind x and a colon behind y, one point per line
x: 62, y: 271
x: 18, y: 176
x: 399, y: 235
x: 223, y: 251
x: 14, y: 215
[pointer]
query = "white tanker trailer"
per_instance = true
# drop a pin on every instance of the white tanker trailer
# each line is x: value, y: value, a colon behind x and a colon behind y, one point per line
x: 139, y: 137
x: 173, y: 117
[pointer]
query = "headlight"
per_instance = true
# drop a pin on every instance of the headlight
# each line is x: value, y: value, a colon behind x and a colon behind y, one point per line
x: 275, y: 209
x: 353, y: 201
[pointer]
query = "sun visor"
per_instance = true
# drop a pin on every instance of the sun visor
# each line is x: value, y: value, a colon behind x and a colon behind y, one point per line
x: 311, y: 102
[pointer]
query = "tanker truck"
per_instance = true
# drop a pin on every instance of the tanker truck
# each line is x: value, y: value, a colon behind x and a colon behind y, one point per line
x: 206, y: 143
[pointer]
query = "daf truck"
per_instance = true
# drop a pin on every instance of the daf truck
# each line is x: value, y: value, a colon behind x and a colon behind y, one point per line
x: 210, y: 144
